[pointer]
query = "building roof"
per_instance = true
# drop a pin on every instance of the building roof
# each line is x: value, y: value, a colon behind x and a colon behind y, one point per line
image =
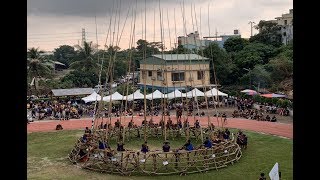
x: 57, y: 62
x: 175, y: 57
x: 72, y: 92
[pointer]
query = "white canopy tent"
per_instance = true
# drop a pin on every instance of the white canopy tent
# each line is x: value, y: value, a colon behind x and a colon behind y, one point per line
x: 214, y: 92
x: 92, y: 97
x: 155, y: 95
x: 135, y: 95
x: 115, y: 97
x: 194, y: 93
x: 175, y: 94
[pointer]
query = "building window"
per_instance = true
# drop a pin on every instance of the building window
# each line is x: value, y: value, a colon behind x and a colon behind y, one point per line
x: 159, y: 76
x: 200, y: 75
x: 285, y: 22
x: 143, y: 74
x: 149, y: 73
x: 177, y: 76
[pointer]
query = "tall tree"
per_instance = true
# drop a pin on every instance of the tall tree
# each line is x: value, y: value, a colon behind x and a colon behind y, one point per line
x: 269, y: 33
x: 222, y: 62
x: 36, y: 67
x: 36, y: 64
x: 259, y: 77
x: 235, y: 44
x: 86, y: 62
x: 253, y: 54
x: 64, y: 54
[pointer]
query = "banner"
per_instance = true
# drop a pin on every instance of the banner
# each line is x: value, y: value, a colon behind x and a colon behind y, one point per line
x: 274, y: 173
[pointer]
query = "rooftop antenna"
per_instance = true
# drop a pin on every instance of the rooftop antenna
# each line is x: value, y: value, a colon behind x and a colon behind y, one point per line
x: 216, y: 35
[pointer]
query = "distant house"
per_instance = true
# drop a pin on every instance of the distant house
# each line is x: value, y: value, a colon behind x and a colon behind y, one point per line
x: 56, y: 65
x: 168, y: 72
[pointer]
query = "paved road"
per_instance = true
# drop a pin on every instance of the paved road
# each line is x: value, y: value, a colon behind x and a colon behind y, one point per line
x: 274, y: 128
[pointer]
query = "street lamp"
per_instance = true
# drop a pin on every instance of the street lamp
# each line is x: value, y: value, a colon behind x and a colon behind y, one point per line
x: 249, y: 71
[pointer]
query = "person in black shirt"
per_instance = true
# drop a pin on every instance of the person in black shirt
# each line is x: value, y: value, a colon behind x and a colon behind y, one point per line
x: 197, y: 124
x: 224, y: 116
x: 117, y: 124
x: 262, y: 177
x: 120, y: 146
x: 144, y: 147
x: 267, y: 117
x: 226, y: 134
x: 87, y: 130
x: 166, y: 146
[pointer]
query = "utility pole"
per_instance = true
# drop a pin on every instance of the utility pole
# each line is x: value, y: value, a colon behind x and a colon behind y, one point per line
x: 249, y: 71
x: 216, y: 35
x: 83, y: 37
x: 251, y: 22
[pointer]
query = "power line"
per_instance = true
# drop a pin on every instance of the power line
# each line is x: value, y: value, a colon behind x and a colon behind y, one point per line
x: 52, y: 34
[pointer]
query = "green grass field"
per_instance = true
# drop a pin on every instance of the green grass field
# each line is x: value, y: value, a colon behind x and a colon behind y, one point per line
x: 47, y: 158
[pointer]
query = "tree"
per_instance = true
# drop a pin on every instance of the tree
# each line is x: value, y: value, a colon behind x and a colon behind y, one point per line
x: 269, y: 33
x: 222, y: 62
x: 36, y: 67
x: 281, y: 68
x: 36, y: 64
x: 253, y: 54
x: 259, y: 77
x: 86, y: 62
x: 64, y: 54
x: 235, y: 44
x: 180, y: 50
x: 80, y: 78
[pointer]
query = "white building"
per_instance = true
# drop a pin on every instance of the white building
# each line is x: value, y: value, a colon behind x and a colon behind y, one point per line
x: 285, y: 22
x: 192, y: 41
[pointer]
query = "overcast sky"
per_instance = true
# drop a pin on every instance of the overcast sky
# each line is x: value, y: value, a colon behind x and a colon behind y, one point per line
x: 52, y: 23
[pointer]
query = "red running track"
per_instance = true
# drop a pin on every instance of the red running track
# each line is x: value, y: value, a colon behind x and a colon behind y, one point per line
x: 274, y: 128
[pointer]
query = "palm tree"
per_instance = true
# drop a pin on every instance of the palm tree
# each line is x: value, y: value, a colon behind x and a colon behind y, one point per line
x: 87, y: 62
x: 36, y: 67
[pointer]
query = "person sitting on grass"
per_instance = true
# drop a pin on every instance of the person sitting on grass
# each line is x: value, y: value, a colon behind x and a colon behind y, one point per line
x: 207, y: 143
x: 187, y: 146
x: 226, y: 134
x: 166, y: 146
x: 84, y: 138
x: 262, y: 177
x: 83, y: 155
x: 120, y: 145
x: 103, y: 145
x: 144, y: 147
x: 59, y: 127
x: 274, y: 119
